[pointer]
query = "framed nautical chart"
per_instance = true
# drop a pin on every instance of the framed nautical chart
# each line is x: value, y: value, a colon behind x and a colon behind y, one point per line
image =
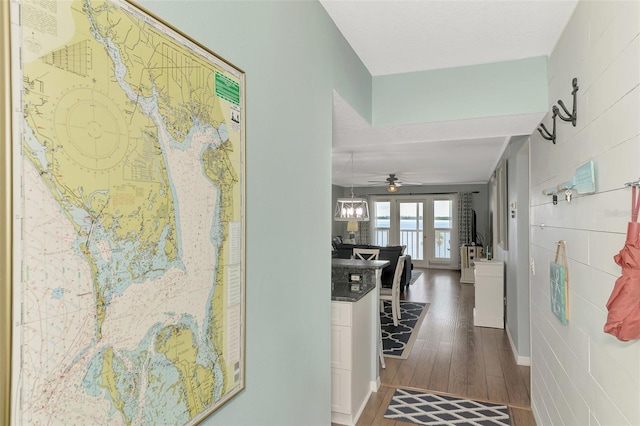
x: 123, y: 218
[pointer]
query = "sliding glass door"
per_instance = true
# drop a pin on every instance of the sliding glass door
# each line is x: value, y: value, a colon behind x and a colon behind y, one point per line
x: 399, y: 221
x: 424, y: 224
x: 412, y: 228
x: 442, y: 230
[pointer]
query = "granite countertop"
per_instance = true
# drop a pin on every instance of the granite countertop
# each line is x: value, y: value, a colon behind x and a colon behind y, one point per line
x: 360, y: 264
x: 341, y: 291
x: 340, y: 285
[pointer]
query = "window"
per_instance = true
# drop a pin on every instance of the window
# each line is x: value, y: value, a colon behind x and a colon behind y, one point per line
x: 382, y: 223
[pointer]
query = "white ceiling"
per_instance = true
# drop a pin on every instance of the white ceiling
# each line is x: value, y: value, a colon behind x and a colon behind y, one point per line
x: 398, y: 36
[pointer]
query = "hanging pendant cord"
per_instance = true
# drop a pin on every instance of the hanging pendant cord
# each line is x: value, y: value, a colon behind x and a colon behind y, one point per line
x: 635, y: 204
x: 352, y: 195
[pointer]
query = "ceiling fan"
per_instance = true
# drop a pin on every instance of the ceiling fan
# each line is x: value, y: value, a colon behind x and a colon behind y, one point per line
x: 393, y: 183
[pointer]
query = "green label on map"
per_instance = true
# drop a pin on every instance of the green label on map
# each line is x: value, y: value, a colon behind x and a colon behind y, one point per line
x: 227, y: 89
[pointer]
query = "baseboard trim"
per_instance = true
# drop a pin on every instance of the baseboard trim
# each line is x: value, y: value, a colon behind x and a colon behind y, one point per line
x: 352, y: 419
x: 362, y: 407
x: 520, y: 360
x: 435, y: 265
x: 375, y: 384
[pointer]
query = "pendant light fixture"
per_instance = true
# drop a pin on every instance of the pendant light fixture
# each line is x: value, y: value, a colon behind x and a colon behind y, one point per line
x: 351, y: 209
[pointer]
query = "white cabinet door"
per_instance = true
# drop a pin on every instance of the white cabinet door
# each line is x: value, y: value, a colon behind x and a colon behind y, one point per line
x: 489, y: 294
x: 341, y: 347
x: 341, y: 357
x: 341, y: 313
x: 341, y: 391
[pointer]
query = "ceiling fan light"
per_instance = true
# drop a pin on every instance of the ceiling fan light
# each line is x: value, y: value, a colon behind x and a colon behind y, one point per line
x: 392, y: 188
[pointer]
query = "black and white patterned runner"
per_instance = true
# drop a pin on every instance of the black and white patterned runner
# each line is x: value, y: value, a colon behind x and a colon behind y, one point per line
x: 431, y: 409
x: 397, y: 340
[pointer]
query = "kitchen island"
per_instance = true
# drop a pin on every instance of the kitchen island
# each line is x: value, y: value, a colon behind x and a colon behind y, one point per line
x: 355, y: 336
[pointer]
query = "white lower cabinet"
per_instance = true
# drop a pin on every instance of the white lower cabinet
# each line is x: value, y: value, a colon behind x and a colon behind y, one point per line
x: 351, y: 334
x: 340, y: 391
x: 489, y: 294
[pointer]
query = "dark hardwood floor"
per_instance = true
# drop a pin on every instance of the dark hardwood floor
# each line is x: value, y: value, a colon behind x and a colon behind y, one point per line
x: 453, y: 357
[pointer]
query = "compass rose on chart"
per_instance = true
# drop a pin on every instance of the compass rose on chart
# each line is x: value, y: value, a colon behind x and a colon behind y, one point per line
x: 91, y: 129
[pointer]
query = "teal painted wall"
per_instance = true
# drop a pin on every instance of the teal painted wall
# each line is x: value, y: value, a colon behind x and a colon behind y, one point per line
x: 293, y: 57
x: 523, y: 341
x: 487, y: 90
x: 516, y: 258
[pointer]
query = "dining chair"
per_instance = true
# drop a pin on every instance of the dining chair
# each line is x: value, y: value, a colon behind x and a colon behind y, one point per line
x: 393, y: 294
x: 366, y: 254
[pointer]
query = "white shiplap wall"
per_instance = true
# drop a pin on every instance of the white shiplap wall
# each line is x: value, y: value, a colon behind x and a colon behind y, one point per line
x: 580, y: 375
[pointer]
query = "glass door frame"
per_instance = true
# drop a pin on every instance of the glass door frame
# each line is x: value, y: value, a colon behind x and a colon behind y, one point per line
x: 405, y: 234
x: 454, y: 249
x: 428, y: 238
x: 393, y: 233
x: 382, y: 236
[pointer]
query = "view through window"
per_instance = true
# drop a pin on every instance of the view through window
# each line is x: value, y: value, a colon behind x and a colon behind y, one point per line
x: 424, y: 225
x: 382, y: 223
x: 442, y: 224
x: 412, y: 228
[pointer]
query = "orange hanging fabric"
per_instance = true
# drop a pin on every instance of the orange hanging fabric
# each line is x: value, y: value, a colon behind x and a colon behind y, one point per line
x: 623, y: 320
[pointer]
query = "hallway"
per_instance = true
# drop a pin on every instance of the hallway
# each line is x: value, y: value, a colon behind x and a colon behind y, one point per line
x: 452, y: 356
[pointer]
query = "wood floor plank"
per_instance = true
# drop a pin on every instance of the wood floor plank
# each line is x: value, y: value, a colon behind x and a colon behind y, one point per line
x: 431, y: 331
x: 522, y: 417
x: 525, y: 372
x: 458, y: 369
x: 497, y: 389
x: 389, y: 373
x: 503, y: 340
x: 490, y: 353
x: 425, y: 329
x: 379, y: 417
x: 368, y: 416
x: 407, y: 368
x: 439, y: 380
x: 476, y: 377
x: 518, y: 394
x: 422, y: 373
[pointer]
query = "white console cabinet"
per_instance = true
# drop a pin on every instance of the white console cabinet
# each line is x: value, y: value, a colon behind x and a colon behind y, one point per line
x: 351, y: 358
x: 489, y: 294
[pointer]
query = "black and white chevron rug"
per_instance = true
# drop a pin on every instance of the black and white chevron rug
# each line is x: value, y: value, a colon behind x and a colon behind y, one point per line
x: 431, y: 409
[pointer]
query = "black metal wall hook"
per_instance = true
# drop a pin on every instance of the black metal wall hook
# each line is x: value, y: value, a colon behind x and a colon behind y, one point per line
x: 573, y: 115
x: 550, y: 136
